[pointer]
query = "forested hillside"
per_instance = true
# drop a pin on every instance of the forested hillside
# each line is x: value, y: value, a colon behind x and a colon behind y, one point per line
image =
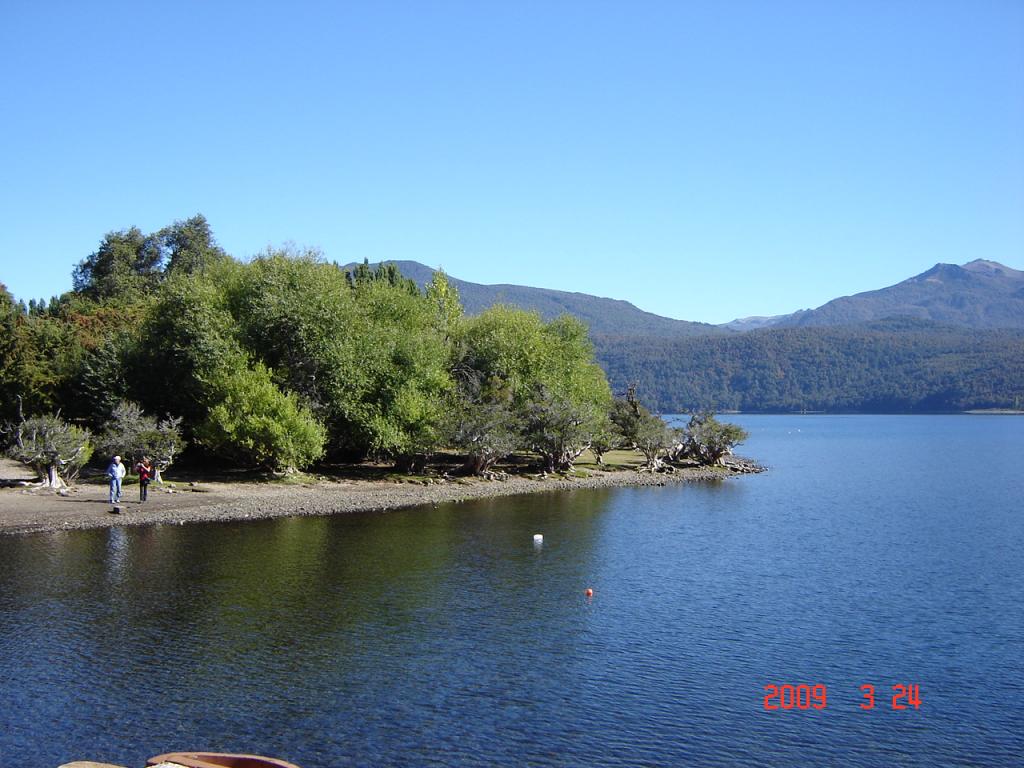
x: 898, y: 366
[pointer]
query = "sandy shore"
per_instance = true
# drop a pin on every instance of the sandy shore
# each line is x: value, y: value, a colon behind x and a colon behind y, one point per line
x: 25, y: 510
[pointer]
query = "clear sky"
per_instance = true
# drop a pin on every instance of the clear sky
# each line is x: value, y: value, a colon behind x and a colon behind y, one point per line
x: 704, y: 160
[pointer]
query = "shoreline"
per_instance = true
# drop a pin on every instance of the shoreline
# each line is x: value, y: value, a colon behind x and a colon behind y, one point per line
x: 25, y: 510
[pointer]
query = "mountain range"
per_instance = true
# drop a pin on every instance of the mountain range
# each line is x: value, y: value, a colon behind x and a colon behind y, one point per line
x: 947, y: 340
x: 980, y: 294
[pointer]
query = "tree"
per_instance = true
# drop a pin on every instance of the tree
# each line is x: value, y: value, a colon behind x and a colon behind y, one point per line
x: 708, y: 440
x: 368, y: 358
x: 559, y: 429
x: 135, y: 435
x: 194, y: 364
x: 443, y: 297
x: 606, y: 437
x: 653, y: 438
x: 571, y: 400
x: 385, y: 272
x: 626, y: 414
x: 547, y: 375
x: 101, y: 380
x: 187, y: 338
x: 507, y: 345
x: 188, y: 246
x: 408, y: 363
x: 482, y: 423
x: 254, y: 422
x: 41, y: 360
x: 296, y: 315
x: 162, y: 443
x: 9, y: 316
x: 52, y: 447
x: 640, y: 429
x: 127, y: 265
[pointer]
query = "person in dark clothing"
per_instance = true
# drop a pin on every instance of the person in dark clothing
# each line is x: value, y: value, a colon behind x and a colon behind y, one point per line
x: 145, y: 470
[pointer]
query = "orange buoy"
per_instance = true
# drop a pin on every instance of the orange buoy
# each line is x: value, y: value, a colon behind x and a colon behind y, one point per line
x: 588, y: 592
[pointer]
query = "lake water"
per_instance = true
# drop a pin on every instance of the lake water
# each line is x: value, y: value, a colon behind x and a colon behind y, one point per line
x: 876, y: 550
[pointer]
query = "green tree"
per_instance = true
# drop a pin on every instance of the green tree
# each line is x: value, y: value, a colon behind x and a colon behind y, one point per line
x: 571, y: 399
x: 9, y: 317
x: 606, y: 437
x: 126, y: 266
x: 197, y: 365
x: 129, y: 265
x: 708, y: 440
x: 298, y: 316
x: 102, y: 381
x: 407, y: 362
x: 443, y: 297
x: 626, y: 414
x: 640, y: 429
x: 653, y: 438
x: 186, y: 339
x: 42, y: 359
x: 558, y: 429
x: 254, y: 422
x: 188, y: 246
x: 385, y: 272
x: 367, y: 357
x: 505, y: 345
x: 547, y: 375
x: 481, y: 421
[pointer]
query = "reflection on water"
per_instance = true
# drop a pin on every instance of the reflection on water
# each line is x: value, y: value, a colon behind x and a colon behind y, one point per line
x: 443, y: 636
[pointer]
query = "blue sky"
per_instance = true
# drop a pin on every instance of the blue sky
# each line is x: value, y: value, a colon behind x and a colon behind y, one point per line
x: 704, y: 160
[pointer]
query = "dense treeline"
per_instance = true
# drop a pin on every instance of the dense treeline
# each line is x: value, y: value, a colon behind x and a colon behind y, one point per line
x: 283, y: 361
x: 895, y: 366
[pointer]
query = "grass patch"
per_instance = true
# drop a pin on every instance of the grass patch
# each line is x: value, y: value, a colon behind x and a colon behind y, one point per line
x: 613, y: 460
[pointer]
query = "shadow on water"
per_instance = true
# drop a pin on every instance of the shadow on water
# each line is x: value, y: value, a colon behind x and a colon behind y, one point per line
x: 159, y: 636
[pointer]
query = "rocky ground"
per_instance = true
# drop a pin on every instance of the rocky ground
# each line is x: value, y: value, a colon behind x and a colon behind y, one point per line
x: 25, y: 509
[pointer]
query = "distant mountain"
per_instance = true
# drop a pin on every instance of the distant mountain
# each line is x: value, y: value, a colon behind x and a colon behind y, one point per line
x: 754, y: 323
x: 981, y: 294
x: 600, y: 314
x: 949, y: 339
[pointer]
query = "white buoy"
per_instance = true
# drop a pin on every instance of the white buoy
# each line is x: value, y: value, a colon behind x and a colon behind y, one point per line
x: 538, y: 538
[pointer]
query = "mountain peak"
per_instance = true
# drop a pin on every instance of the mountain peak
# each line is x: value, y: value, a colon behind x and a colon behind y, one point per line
x: 982, y: 269
x: 939, y: 272
x: 980, y: 294
x: 993, y: 268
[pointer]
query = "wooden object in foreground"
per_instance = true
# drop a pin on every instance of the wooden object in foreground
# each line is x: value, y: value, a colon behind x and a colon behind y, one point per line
x: 217, y: 760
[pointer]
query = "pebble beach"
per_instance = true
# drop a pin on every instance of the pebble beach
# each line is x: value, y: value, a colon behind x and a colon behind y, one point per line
x: 28, y: 510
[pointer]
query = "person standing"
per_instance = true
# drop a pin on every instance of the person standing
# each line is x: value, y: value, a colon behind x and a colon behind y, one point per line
x: 145, y: 470
x: 116, y: 473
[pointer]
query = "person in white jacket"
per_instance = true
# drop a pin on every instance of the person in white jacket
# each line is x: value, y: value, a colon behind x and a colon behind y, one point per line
x: 116, y: 473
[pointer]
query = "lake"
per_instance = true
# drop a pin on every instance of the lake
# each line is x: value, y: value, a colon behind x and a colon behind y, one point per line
x: 877, y: 550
